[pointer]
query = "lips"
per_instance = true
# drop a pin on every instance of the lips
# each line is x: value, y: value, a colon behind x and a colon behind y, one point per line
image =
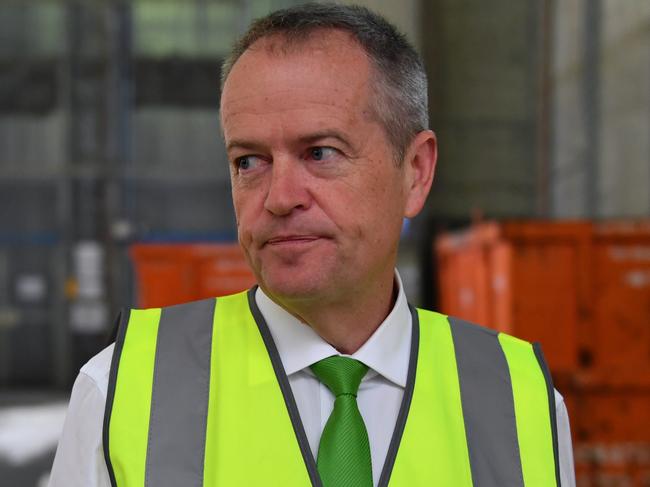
x: 283, y: 239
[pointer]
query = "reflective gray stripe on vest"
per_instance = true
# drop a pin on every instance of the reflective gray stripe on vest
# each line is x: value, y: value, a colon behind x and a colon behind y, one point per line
x: 488, y: 406
x: 179, y: 399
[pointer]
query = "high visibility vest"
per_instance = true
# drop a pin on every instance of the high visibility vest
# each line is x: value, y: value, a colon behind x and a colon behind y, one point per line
x: 198, y: 397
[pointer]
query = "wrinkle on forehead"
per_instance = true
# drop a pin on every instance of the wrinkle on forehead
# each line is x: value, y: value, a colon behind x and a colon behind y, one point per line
x: 287, y: 125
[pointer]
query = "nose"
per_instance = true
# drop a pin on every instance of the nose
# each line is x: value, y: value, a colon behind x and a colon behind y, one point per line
x: 287, y: 189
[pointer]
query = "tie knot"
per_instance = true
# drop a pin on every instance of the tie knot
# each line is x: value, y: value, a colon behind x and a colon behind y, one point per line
x: 342, y: 375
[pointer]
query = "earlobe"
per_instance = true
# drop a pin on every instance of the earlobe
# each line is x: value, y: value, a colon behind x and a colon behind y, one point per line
x: 421, y: 165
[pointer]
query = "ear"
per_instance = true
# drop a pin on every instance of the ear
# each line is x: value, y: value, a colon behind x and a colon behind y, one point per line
x: 419, y: 167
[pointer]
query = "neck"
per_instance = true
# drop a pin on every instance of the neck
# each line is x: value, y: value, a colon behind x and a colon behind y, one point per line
x: 346, y: 322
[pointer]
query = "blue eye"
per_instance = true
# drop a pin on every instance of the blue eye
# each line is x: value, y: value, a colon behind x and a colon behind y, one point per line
x: 321, y: 153
x: 243, y: 163
x: 246, y: 163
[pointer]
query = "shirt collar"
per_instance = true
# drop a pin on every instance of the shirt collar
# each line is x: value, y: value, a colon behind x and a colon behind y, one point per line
x: 386, y: 352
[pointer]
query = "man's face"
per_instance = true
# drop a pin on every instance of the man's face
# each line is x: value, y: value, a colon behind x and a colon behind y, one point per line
x: 318, y: 197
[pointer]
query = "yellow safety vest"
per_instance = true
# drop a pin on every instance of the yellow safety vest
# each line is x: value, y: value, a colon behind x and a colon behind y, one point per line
x: 198, y: 397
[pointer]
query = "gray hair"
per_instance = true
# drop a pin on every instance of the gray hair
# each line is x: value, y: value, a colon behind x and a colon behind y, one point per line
x: 400, y: 82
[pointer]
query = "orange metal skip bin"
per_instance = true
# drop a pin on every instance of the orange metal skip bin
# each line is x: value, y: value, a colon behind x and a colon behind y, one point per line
x: 582, y: 289
x: 610, y: 423
x: 169, y: 274
x: 620, y: 336
x: 527, y: 279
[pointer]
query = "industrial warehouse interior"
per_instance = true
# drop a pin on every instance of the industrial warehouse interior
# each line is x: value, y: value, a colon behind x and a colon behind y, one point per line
x: 115, y: 193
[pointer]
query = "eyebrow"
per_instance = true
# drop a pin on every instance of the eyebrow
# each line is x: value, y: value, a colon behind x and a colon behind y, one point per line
x: 243, y: 144
x: 305, y: 139
x: 326, y: 134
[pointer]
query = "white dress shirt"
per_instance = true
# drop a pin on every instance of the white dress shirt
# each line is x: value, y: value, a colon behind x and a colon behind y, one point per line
x: 79, y: 460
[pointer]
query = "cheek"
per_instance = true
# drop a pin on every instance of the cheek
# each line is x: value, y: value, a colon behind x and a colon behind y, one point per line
x: 385, y: 195
x: 369, y: 214
x: 243, y: 217
x: 251, y: 216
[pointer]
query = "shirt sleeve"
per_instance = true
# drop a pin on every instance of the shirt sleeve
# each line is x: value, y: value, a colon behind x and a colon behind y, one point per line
x: 79, y: 460
x: 565, y: 449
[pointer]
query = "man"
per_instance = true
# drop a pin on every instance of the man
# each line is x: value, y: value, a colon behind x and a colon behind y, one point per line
x: 322, y: 375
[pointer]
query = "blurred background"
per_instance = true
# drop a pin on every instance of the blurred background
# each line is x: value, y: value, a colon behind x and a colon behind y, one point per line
x: 114, y: 192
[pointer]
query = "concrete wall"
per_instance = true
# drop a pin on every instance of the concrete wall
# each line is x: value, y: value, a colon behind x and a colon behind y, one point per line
x: 601, y: 104
x: 32, y: 146
x: 482, y: 61
x: 624, y: 183
x: 570, y: 145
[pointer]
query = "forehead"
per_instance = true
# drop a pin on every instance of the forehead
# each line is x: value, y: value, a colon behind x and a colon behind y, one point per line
x: 327, y: 73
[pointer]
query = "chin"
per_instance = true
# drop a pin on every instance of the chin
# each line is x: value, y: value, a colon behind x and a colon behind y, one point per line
x: 292, y: 286
x: 291, y: 290
x: 296, y: 277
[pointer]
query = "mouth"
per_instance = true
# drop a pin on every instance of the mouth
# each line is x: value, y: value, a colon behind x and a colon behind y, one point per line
x: 292, y: 239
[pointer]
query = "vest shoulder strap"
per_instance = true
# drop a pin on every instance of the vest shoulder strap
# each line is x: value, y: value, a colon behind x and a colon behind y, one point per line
x: 504, y: 382
x: 160, y: 365
x: 191, y: 392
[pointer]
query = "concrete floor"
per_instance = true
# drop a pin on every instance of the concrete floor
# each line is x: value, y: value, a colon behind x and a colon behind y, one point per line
x: 29, y: 421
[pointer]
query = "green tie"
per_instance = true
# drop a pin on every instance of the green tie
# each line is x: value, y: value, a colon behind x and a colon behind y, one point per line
x: 344, y: 451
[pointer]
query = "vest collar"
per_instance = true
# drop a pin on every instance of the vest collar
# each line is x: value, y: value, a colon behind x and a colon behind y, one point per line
x: 292, y: 408
x: 386, y: 352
